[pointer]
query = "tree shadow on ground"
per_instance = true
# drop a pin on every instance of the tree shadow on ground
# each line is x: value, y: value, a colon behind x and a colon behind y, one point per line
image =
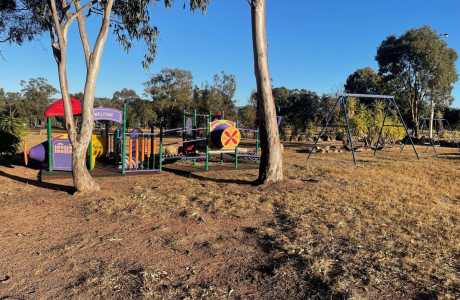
x: 189, y: 174
x: 38, y: 183
x: 287, y: 274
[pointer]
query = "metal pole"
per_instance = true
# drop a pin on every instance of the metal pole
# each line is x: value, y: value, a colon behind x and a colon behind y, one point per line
x: 160, y: 154
x: 328, y: 119
x: 50, y: 144
x: 347, y: 123
x: 405, y: 127
x: 206, y: 162
x: 381, y: 129
x: 236, y: 148
x: 123, y: 141
x: 152, y: 147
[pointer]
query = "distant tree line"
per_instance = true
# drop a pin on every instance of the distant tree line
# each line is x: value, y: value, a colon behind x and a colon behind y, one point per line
x: 418, y: 68
x: 166, y: 95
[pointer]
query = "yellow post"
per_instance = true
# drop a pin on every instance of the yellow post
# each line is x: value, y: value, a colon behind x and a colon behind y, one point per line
x: 24, y: 148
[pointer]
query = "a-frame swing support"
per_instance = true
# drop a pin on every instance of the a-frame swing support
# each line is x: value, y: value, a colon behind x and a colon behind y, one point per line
x: 342, y: 103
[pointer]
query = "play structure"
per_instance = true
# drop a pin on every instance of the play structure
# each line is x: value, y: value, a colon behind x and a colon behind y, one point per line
x: 128, y: 151
x: 199, y: 140
x: 390, y: 108
x: 56, y: 152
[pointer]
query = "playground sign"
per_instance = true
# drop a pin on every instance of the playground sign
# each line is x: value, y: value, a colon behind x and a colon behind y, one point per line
x: 108, y: 114
x: 62, y: 156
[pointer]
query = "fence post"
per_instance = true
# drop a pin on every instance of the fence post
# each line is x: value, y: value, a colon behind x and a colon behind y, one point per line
x: 206, y: 162
x: 50, y: 144
x: 123, y: 141
x: 236, y: 148
x: 160, y: 154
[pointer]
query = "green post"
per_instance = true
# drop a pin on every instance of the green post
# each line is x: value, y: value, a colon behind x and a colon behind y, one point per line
x: 50, y: 144
x: 206, y: 162
x: 123, y: 142
x: 236, y: 148
x: 160, y: 152
x: 90, y: 154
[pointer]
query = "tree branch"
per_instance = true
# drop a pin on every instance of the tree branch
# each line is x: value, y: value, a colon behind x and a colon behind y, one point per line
x: 61, y: 50
x: 82, y: 30
x: 77, y: 14
x: 102, y: 36
x: 57, y: 23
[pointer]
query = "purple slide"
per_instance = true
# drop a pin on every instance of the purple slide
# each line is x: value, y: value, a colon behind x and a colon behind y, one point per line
x: 38, y: 152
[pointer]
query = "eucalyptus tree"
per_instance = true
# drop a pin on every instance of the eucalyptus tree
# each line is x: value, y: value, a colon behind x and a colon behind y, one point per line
x: 22, y: 20
x: 271, y: 161
x: 364, y: 81
x: 171, y: 91
x: 420, y: 67
x: 36, y: 94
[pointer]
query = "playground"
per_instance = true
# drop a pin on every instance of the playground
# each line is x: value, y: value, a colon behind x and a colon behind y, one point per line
x: 386, y: 228
x: 204, y: 140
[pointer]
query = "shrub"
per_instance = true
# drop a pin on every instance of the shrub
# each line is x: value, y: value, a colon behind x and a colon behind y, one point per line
x: 11, y: 131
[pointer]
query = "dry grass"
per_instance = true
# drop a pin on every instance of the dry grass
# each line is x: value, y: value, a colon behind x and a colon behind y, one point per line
x: 389, y: 228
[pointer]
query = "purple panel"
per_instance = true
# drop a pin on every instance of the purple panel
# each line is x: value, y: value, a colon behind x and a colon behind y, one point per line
x: 108, y: 114
x: 62, y: 155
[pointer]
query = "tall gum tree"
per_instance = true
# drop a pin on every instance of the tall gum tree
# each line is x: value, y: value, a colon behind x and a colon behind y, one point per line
x: 271, y: 161
x: 420, y: 68
x: 22, y: 20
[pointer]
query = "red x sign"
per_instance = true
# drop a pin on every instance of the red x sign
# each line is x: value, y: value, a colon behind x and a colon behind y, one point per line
x: 231, y: 137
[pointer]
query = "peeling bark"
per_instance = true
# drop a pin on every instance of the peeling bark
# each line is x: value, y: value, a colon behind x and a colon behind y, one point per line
x: 271, y: 162
x: 82, y: 179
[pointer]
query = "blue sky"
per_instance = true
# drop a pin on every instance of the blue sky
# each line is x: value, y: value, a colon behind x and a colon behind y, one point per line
x: 312, y: 44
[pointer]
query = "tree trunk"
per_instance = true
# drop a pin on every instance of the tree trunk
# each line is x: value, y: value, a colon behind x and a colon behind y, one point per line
x: 271, y: 161
x: 82, y: 179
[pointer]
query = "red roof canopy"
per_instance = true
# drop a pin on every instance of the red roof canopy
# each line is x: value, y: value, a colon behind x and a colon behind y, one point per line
x: 56, y: 109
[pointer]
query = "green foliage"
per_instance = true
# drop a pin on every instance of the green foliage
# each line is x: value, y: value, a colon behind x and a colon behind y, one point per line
x: 140, y: 113
x: 11, y: 130
x: 171, y: 92
x: 36, y: 94
x: 30, y: 103
x: 364, y: 81
x: 247, y: 116
x: 367, y: 121
x: 362, y: 120
x: 298, y: 107
x: 11, y: 124
x: 22, y: 20
x: 217, y: 97
x: 418, y: 67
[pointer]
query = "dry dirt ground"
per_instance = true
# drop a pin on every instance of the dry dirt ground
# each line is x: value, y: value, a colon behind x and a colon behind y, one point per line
x: 387, y: 229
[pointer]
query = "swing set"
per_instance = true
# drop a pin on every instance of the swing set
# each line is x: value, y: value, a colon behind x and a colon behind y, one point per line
x: 341, y: 103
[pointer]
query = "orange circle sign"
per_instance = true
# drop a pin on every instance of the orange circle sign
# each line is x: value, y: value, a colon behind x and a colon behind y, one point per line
x: 230, y: 138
